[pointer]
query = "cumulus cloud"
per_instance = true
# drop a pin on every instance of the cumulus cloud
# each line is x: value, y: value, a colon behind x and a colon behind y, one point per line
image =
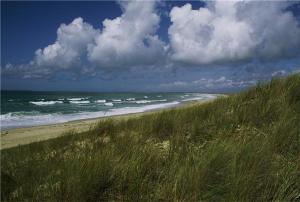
x: 126, y: 41
x: 229, y: 31
x: 69, y: 48
x: 129, y: 39
x: 64, y: 55
x: 222, y: 31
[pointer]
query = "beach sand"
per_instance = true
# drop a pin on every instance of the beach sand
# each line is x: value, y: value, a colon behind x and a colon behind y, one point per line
x: 20, y: 136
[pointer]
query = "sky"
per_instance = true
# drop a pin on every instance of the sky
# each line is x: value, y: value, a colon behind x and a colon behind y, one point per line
x: 113, y: 46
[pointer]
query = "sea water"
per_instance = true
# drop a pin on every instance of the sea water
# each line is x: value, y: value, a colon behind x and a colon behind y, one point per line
x: 28, y: 108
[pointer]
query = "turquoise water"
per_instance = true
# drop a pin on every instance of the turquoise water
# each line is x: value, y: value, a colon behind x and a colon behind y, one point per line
x: 27, y: 108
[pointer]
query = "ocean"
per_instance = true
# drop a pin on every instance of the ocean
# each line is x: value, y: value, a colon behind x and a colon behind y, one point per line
x: 29, y: 108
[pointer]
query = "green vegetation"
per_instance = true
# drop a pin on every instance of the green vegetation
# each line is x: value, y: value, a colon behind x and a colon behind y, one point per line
x: 245, y: 147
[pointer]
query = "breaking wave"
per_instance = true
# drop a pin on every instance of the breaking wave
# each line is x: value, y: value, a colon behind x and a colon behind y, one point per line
x: 34, y: 118
x: 40, y: 103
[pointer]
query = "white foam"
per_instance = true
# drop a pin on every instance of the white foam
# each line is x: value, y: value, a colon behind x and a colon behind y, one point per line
x: 149, y: 101
x: 100, y: 101
x: 80, y: 102
x: 202, y: 97
x: 15, y: 120
x: 130, y: 99
x: 129, y: 110
x: 117, y: 100
x: 33, y: 118
x: 19, y: 119
x: 146, y: 96
x: 40, y: 103
x: 143, y: 101
x: 76, y: 99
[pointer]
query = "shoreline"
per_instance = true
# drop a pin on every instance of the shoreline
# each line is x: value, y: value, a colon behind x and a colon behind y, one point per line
x: 26, y: 135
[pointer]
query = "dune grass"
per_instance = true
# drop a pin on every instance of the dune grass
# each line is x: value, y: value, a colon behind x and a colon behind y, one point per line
x: 245, y: 147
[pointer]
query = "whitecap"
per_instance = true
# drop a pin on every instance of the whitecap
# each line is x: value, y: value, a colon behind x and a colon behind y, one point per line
x: 100, y: 101
x: 40, y: 103
x: 149, y: 101
x: 143, y: 101
x: 76, y: 99
x: 202, y: 97
x: 34, y: 118
x: 80, y: 102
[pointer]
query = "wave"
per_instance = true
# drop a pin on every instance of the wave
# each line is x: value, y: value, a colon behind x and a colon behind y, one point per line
x: 19, y: 113
x: 143, y: 101
x: 100, y: 101
x: 40, y: 103
x: 26, y: 119
x: 76, y: 99
x: 149, y: 101
x: 202, y: 97
x: 34, y: 118
x: 163, y: 100
x: 60, y: 115
x: 80, y: 102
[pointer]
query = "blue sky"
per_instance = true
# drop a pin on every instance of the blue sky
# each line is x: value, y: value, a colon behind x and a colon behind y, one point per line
x: 147, y: 46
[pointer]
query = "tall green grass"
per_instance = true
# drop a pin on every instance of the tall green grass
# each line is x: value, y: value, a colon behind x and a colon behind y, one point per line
x: 245, y: 147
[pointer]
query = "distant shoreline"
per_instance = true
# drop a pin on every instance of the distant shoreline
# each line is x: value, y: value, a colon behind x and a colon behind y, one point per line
x: 31, y: 109
x: 26, y: 135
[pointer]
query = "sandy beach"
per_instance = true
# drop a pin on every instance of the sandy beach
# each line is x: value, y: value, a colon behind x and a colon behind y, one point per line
x: 21, y: 136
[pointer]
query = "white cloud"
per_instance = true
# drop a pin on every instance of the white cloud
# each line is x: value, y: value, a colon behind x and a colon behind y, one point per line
x: 124, y: 42
x: 279, y: 73
x: 233, y: 31
x: 297, y: 71
x: 130, y: 39
x: 207, y: 83
x: 223, y: 31
x: 70, y: 46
